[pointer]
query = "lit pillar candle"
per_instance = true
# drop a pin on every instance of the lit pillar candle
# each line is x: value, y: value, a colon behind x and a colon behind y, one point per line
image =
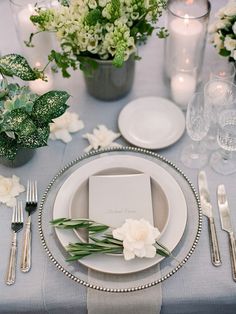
x: 183, y: 86
x: 185, y: 35
x: 41, y: 87
x: 42, y: 42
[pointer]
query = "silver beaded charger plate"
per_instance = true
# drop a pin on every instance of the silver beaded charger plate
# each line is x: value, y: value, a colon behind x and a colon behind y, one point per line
x: 127, y: 282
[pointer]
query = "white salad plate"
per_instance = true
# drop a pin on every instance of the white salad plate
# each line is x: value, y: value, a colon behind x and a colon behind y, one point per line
x: 151, y: 122
x: 74, y: 194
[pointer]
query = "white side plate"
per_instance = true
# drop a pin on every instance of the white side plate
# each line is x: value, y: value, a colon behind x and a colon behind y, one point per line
x: 151, y: 122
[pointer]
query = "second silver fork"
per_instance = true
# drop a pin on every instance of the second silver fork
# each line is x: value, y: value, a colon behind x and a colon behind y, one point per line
x: 30, y: 207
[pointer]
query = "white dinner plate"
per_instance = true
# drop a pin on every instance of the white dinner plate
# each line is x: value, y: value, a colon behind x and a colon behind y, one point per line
x: 151, y: 122
x: 176, y: 204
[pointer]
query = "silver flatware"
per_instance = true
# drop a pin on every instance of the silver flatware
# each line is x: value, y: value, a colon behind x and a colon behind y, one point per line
x: 226, y: 225
x: 208, y: 212
x: 30, y: 207
x: 16, y: 226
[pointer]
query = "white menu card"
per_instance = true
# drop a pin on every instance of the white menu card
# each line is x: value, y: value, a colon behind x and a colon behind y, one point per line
x: 114, y: 198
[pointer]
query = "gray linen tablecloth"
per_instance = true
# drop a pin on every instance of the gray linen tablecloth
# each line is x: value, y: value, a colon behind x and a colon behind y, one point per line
x: 197, y: 288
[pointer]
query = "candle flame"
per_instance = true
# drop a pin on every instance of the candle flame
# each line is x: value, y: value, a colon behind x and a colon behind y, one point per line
x: 187, y: 61
x: 222, y: 73
x: 189, y: 1
x: 38, y: 64
x: 186, y: 19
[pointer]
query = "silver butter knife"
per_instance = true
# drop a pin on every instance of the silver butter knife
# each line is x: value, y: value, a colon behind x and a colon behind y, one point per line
x: 207, y: 211
x: 226, y: 225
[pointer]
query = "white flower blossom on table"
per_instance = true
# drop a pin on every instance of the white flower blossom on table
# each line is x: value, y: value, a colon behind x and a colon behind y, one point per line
x: 62, y: 126
x: 101, y: 137
x: 9, y: 189
x: 138, y: 237
x: 223, y: 31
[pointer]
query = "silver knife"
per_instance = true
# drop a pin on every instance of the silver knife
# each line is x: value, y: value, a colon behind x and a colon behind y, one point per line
x: 226, y: 225
x: 207, y: 211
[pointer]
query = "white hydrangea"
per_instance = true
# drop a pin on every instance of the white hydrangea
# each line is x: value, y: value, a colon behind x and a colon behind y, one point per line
x: 62, y: 126
x: 101, y: 137
x: 230, y: 9
x: 138, y: 237
x: 9, y: 189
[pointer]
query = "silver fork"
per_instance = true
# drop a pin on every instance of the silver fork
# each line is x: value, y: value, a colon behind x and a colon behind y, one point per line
x: 16, y: 226
x: 30, y: 207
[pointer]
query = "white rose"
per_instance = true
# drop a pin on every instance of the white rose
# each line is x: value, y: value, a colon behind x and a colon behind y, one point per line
x: 9, y: 189
x: 138, y: 237
x: 230, y: 9
x: 101, y: 138
x: 62, y: 126
x: 212, y: 28
x: 229, y: 43
x: 233, y: 54
x: 222, y: 24
x: 234, y: 28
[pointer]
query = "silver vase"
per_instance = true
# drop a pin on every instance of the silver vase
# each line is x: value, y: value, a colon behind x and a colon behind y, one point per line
x: 108, y: 82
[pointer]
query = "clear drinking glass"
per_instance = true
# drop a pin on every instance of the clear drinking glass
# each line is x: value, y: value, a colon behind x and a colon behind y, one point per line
x: 197, y: 125
x: 219, y: 95
x: 221, y: 161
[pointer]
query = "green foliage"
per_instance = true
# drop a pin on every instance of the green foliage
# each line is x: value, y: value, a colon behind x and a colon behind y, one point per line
x: 63, y: 61
x: 120, y: 54
x: 224, y: 52
x: 17, y: 97
x: 115, y: 10
x: 16, y: 65
x: 25, y: 118
x: 94, y: 17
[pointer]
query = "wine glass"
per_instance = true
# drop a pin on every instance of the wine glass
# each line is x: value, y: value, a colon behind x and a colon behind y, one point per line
x: 221, y: 161
x: 197, y: 125
x: 219, y: 94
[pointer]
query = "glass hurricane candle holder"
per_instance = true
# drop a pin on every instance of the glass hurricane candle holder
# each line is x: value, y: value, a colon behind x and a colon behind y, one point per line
x: 37, y: 55
x: 184, y: 47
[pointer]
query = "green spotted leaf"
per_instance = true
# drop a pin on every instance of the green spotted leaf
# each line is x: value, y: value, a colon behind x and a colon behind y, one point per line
x: 14, y: 120
x: 16, y: 65
x: 49, y: 106
x: 35, y: 140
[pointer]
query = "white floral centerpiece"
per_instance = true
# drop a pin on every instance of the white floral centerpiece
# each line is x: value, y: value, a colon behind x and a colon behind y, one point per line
x: 223, y: 31
x: 101, y: 29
